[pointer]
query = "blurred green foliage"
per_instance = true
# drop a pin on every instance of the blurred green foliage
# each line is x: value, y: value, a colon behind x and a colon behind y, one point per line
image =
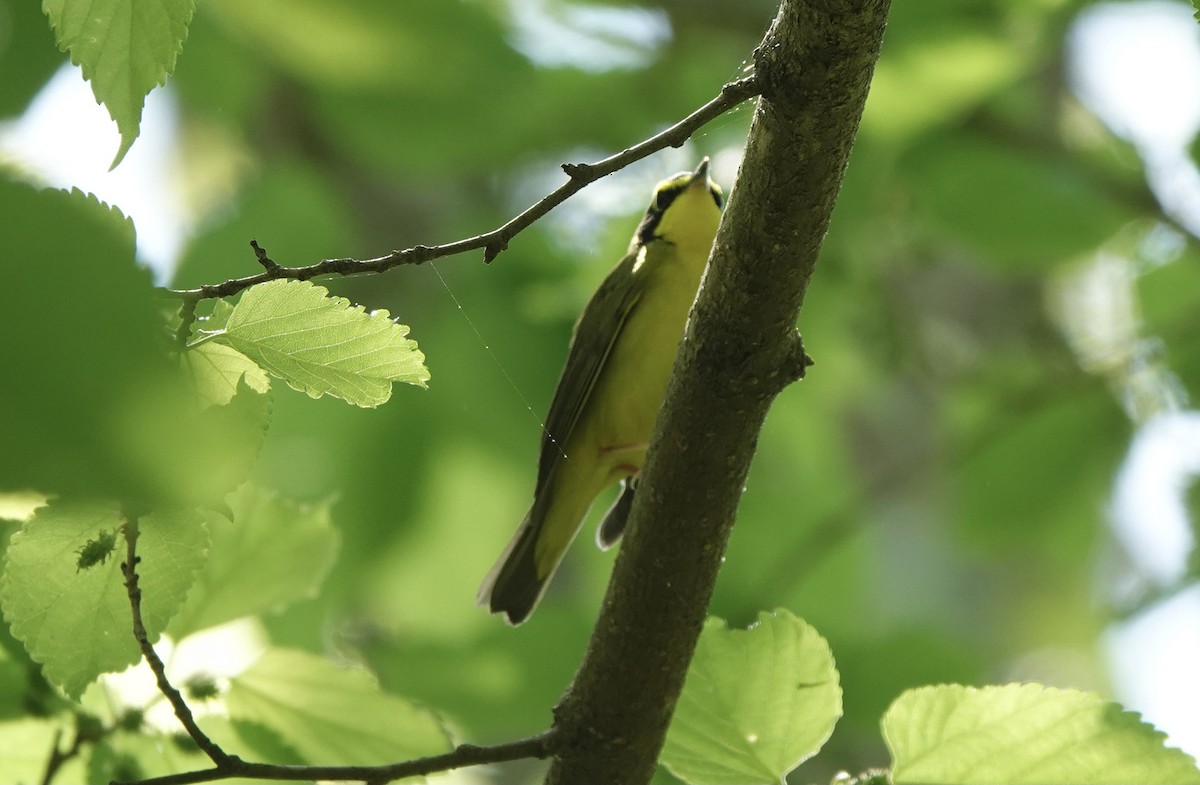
x: 931, y: 498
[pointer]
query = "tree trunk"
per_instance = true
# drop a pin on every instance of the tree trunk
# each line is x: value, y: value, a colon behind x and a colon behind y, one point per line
x: 740, y: 350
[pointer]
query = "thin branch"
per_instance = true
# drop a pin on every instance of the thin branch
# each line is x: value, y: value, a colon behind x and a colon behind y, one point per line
x: 540, y: 747
x: 88, y: 730
x: 495, y: 241
x: 187, y: 317
x: 269, y: 264
x: 226, y: 765
x: 182, y: 712
x: 57, y: 756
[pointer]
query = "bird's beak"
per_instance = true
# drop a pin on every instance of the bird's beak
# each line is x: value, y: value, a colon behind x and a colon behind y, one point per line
x: 699, y: 177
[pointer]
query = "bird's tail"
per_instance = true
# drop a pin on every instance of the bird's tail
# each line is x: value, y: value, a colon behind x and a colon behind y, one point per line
x: 519, y: 578
x: 513, y: 586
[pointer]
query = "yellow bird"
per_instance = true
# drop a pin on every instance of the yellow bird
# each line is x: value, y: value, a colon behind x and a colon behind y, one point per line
x: 611, y: 388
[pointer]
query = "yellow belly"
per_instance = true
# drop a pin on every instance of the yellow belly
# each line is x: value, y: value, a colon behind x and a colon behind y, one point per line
x: 613, y: 431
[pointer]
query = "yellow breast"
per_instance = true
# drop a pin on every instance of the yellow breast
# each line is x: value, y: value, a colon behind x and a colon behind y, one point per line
x: 630, y: 392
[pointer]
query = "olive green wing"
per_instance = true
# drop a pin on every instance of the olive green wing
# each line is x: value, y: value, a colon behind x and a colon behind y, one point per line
x: 596, y: 333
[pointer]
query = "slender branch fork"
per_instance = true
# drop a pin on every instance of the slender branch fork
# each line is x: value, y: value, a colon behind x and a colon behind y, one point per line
x: 226, y: 765
x: 59, y: 756
x: 495, y: 241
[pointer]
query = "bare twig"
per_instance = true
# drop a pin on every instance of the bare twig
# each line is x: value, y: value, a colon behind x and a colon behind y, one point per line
x: 541, y: 746
x: 226, y: 765
x: 88, y: 730
x: 269, y: 264
x: 495, y: 241
x: 182, y: 712
x: 57, y: 756
x: 187, y: 317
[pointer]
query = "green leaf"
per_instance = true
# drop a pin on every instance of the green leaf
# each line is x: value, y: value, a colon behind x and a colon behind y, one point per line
x: 124, y: 48
x: 76, y: 622
x: 193, y: 456
x: 272, y: 554
x: 248, y: 740
x: 27, y: 57
x: 323, y: 345
x: 224, y: 450
x: 68, y: 380
x: 1025, y: 733
x: 983, y: 63
x: 14, y: 682
x: 107, y: 763
x: 756, y: 703
x: 127, y: 756
x: 216, y: 369
x: 97, y: 407
x: 1023, y: 210
x: 1021, y: 488
x: 333, y: 716
x: 256, y: 742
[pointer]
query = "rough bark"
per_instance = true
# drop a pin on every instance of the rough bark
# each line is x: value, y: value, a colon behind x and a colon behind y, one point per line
x: 741, y: 349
